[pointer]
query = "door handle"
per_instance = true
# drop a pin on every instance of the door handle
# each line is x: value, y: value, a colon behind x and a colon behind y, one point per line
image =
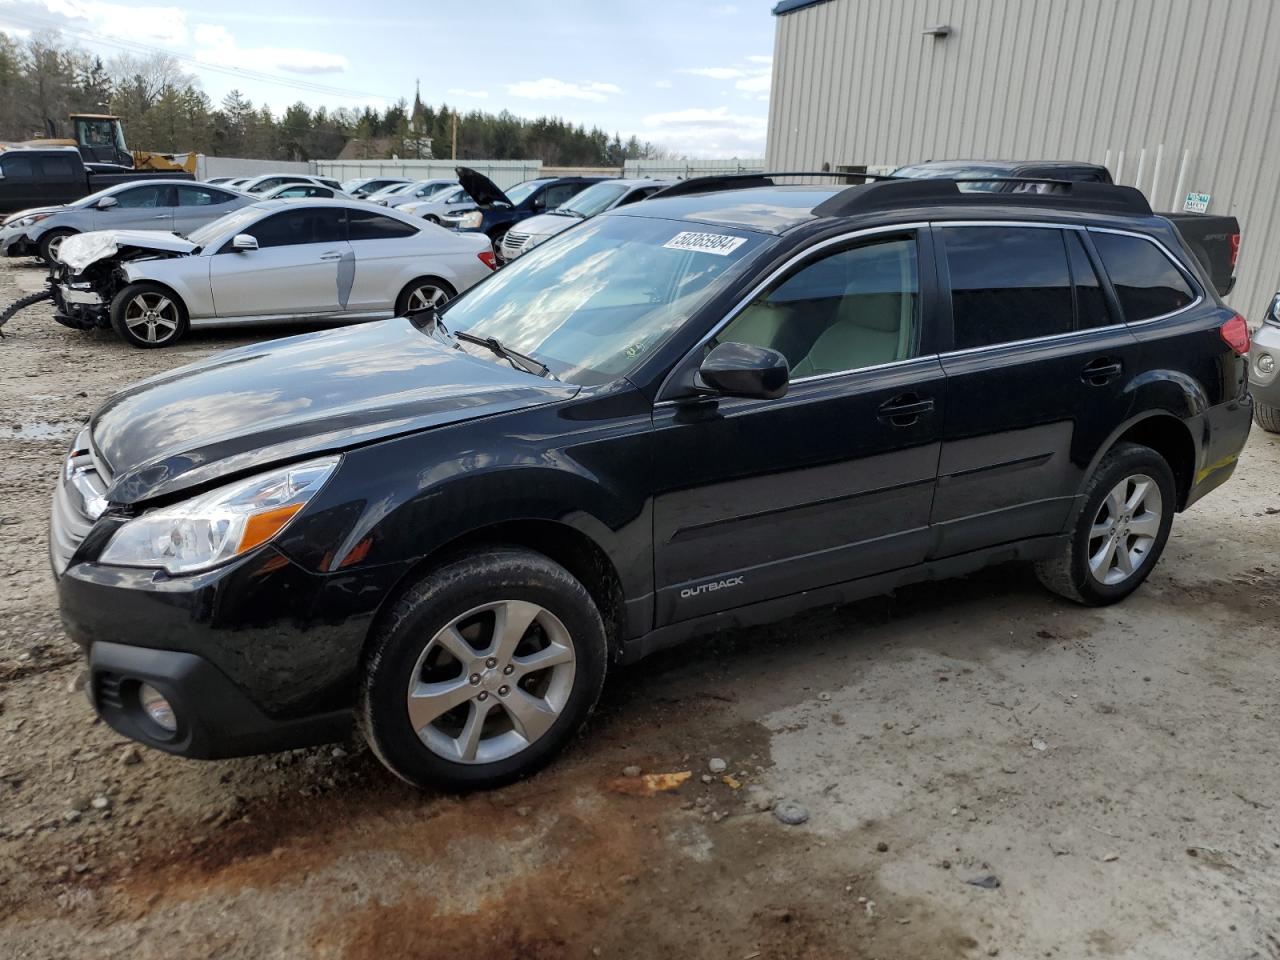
x: 905, y: 409
x: 331, y: 256
x: 1101, y: 370
x: 161, y: 216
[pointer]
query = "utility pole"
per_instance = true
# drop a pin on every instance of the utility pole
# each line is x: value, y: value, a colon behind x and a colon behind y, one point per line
x: 454, y: 154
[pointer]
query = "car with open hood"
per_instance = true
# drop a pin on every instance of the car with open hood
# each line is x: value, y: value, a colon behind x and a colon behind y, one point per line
x: 163, y: 205
x: 710, y: 409
x: 596, y: 199
x: 497, y: 210
x: 273, y: 260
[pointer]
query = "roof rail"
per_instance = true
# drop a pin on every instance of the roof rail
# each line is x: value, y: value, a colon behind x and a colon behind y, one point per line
x: 714, y: 183
x: 904, y: 192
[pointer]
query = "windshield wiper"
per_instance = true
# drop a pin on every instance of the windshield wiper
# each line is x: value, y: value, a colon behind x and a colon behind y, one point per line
x: 518, y: 360
x: 570, y: 212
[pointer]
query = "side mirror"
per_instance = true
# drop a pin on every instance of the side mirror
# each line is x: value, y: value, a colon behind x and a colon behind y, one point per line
x: 744, y: 370
x: 540, y: 203
x: 106, y: 203
x: 244, y: 242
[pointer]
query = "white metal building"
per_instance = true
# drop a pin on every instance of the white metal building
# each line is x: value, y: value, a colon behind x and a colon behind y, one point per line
x: 1174, y: 96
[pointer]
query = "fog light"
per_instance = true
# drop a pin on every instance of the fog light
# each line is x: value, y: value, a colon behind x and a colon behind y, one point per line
x: 157, y: 708
x: 1266, y: 363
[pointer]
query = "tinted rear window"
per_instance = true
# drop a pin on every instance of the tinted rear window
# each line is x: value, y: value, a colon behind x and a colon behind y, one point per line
x: 1007, y: 284
x: 1147, y: 282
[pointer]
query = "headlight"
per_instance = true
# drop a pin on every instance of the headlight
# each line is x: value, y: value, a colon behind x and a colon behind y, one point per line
x: 470, y: 220
x: 29, y: 220
x: 1273, y: 312
x: 216, y: 526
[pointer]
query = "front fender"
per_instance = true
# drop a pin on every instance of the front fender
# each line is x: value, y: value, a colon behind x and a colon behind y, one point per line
x: 186, y: 276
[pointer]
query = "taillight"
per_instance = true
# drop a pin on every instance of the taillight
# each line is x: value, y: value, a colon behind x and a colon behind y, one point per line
x: 1235, y: 248
x: 488, y: 259
x: 1235, y: 332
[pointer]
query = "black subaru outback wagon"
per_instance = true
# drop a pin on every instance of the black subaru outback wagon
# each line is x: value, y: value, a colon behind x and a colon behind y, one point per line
x: 713, y: 408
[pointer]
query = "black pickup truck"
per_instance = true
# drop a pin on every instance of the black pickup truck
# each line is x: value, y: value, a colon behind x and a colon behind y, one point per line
x: 48, y: 176
x: 1213, y: 238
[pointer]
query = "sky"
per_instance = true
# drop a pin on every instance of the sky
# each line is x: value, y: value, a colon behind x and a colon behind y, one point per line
x: 691, y: 76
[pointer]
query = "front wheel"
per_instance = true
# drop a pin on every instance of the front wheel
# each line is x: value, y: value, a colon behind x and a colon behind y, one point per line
x: 51, y: 243
x: 147, y: 315
x: 483, y: 671
x: 1119, y: 530
x: 1267, y: 416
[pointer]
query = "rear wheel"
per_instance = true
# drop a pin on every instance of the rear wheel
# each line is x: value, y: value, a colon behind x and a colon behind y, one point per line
x: 1119, y: 530
x: 147, y: 315
x: 1267, y: 416
x: 425, y: 293
x: 51, y: 243
x: 483, y: 671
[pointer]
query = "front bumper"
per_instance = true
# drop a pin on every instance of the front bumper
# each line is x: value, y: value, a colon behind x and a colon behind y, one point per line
x: 255, y: 656
x: 1265, y: 384
x: 14, y: 242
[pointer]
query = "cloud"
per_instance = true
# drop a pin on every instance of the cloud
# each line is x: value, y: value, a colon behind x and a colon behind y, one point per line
x: 754, y: 84
x: 146, y: 24
x: 473, y: 94
x: 766, y: 60
x: 708, y: 131
x: 715, y: 73
x: 216, y: 45
x: 18, y: 33
x: 550, y: 89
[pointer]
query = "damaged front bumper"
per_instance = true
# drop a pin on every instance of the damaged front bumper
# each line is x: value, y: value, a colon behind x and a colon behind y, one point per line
x: 14, y: 242
x: 79, y: 306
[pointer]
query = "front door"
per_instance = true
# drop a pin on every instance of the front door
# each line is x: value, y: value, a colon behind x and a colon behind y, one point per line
x: 1035, y: 381
x: 834, y: 481
x: 294, y: 271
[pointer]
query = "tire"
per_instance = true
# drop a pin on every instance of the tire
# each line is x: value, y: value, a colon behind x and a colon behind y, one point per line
x: 1084, y: 571
x: 495, y: 239
x: 167, y: 327
x: 1267, y: 416
x: 423, y: 293
x: 432, y: 218
x: 529, y: 718
x: 49, y: 243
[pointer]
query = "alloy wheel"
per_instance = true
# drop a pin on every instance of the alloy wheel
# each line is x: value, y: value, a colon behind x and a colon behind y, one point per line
x: 491, y: 682
x: 55, y: 244
x: 152, y: 317
x: 425, y: 297
x: 1125, y: 529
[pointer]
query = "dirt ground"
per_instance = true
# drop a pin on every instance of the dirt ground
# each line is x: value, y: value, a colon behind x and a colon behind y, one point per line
x: 1116, y: 771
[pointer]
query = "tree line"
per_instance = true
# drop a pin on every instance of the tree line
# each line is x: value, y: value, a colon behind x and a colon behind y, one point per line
x: 163, y: 108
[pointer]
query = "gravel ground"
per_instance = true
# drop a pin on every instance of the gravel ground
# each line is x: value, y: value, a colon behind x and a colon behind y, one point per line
x: 1114, y: 771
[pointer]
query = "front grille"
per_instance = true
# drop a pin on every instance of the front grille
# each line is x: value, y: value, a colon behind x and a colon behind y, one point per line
x: 78, y: 501
x: 514, y: 241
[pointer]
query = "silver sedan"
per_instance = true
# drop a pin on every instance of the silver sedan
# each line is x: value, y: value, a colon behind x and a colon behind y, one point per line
x: 138, y: 205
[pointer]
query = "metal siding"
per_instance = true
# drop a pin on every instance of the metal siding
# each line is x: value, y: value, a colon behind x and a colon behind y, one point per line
x: 856, y: 82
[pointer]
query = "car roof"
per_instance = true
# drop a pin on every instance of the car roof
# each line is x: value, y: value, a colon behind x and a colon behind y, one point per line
x: 773, y: 210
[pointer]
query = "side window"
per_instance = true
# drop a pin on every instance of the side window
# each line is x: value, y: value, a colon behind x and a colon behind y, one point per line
x: 555, y: 195
x: 635, y: 196
x: 854, y: 308
x: 200, y: 197
x: 152, y: 195
x: 1091, y: 305
x: 367, y: 225
x: 17, y: 168
x: 60, y: 169
x: 1147, y: 282
x: 294, y: 227
x: 1007, y: 284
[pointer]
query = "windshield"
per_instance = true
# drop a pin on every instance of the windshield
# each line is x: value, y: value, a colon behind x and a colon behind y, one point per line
x: 391, y: 188
x: 595, y: 199
x: 597, y: 300
x: 354, y: 183
x: 231, y: 223
x: 435, y: 190
x: 520, y: 191
x: 956, y: 173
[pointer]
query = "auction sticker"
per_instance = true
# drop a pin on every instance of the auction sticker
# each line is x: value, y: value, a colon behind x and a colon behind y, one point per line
x: 718, y: 243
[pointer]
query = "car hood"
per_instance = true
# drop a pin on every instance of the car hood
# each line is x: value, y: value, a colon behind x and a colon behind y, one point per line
x: 480, y: 188
x: 547, y: 224
x: 249, y: 408
x: 82, y: 249
x: 15, y: 217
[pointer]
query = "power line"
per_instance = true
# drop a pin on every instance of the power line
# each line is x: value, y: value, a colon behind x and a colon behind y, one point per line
x: 134, y: 46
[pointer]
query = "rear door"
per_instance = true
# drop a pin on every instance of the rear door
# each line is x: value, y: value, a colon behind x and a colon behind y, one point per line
x: 197, y: 205
x: 1035, y: 379
x: 294, y: 271
x: 765, y: 498
x: 148, y: 206
x: 385, y: 250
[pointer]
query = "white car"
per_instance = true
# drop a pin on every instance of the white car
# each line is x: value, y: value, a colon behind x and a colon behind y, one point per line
x: 275, y: 260
x: 269, y: 181
x: 597, y: 198
x: 450, y: 201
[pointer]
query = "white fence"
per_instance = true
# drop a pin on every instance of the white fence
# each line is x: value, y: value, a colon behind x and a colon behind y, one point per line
x: 207, y: 167
x: 505, y: 173
x: 671, y: 169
